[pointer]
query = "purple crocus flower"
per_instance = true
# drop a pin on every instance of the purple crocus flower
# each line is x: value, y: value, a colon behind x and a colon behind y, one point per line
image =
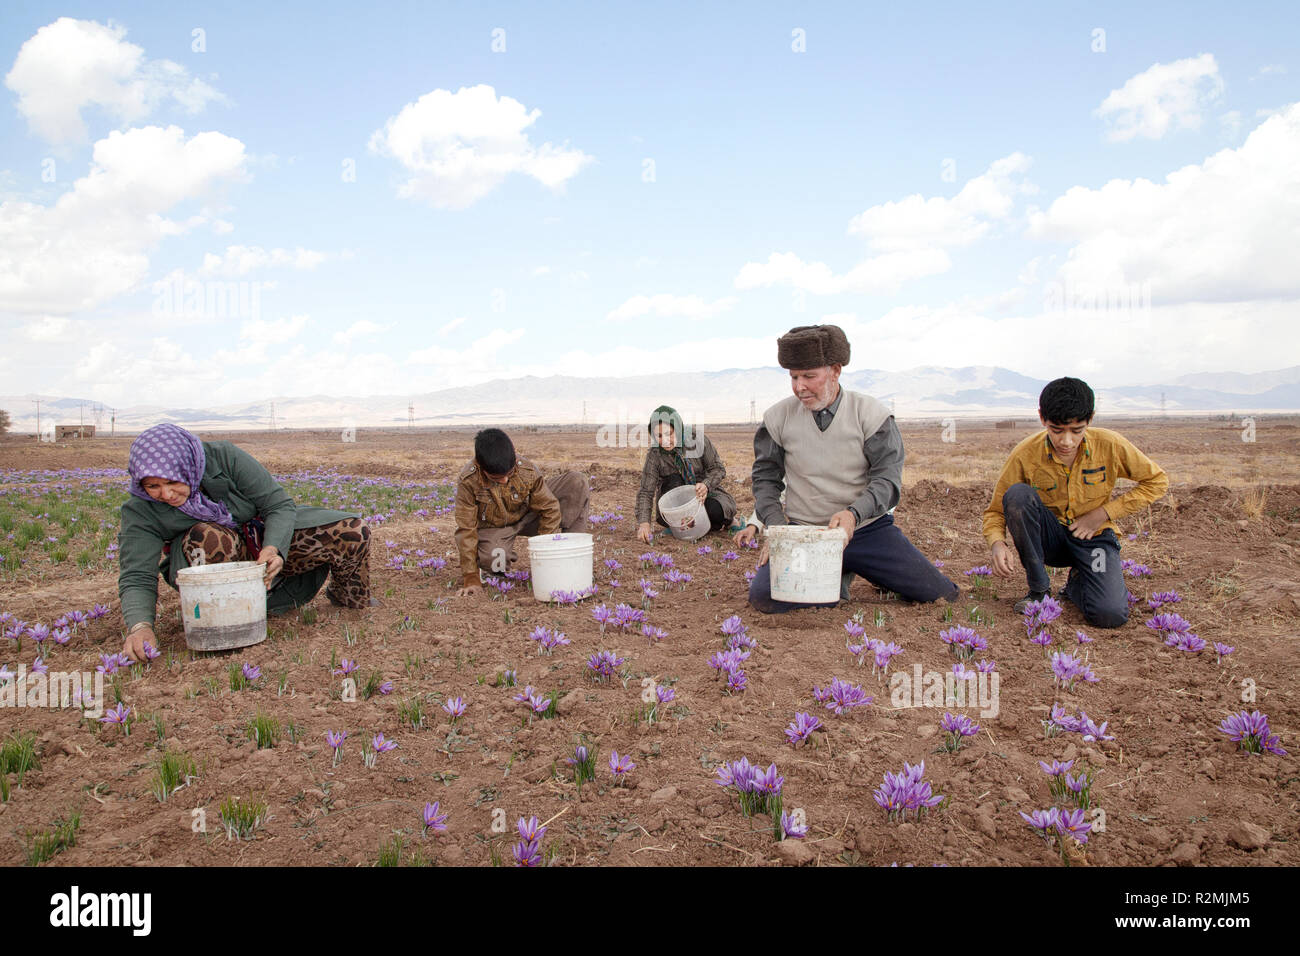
x: 530, y: 830
x: 1222, y: 651
x: 335, y: 738
x: 346, y: 667
x: 1044, y: 821
x: 665, y: 694
x: 1082, y: 638
x: 61, y: 635
x: 981, y: 571
x: 733, y: 626
x: 654, y: 634
x: 382, y: 746
x: 151, y: 653
x: 703, y: 549
x: 792, y: 829
x: 959, y: 725
x: 1252, y: 733
x: 730, y: 556
x: 455, y: 707
x: 39, y: 633
x: 801, y: 727
x: 39, y: 667
x: 433, y: 820
x: 1056, y: 768
x: 620, y: 766
x: 579, y: 756
x: 601, y: 615
x: 117, y: 715
x: 251, y: 671
x: 736, y: 681
x: 1073, y: 822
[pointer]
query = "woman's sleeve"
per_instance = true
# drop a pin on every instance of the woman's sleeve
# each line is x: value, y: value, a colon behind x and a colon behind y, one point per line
x: 645, y: 496
x: 274, y: 506
x: 714, y: 469
x: 138, y: 551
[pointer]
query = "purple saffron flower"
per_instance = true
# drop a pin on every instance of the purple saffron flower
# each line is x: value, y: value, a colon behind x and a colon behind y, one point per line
x: 664, y: 694
x: 1252, y: 733
x: 530, y: 830
x: 117, y: 715
x: 730, y: 556
x: 335, y: 738
x: 1073, y: 822
x: 346, y: 667
x: 959, y: 725
x: 1222, y: 651
x: 801, y: 727
x: 736, y: 681
x: 580, y: 756
x: 251, y: 671
x: 792, y: 829
x: 854, y: 629
x: 1163, y: 597
x: 39, y: 667
x: 1056, y: 768
x: 620, y: 766
x: 703, y: 549
x: 654, y: 634
x: 1044, y: 821
x: 151, y: 653
x: 382, y: 746
x: 61, y: 635
x: 1082, y: 638
x: 433, y: 820
x: 455, y: 707
x: 601, y: 615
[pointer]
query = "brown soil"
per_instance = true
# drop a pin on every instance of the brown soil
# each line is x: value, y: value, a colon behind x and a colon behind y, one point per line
x: 1171, y: 785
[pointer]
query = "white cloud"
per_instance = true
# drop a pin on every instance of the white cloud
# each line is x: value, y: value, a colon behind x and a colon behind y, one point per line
x: 453, y: 324
x: 70, y: 65
x: 883, y: 273
x: 1224, y: 230
x: 910, y: 236
x: 93, y: 243
x: 687, y: 306
x: 1164, y: 96
x: 358, y: 330
x: 460, y: 146
x: 241, y: 260
x: 480, y: 355
x: 916, y: 222
x: 541, y: 271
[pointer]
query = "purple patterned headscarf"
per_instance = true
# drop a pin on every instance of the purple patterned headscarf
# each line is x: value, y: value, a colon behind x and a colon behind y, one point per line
x: 171, y: 453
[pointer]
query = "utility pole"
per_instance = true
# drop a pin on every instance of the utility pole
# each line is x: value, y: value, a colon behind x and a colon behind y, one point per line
x: 584, y: 413
x: 114, y: 421
x: 410, y: 414
x: 38, y: 418
x: 273, y: 416
x: 1162, y: 404
x: 753, y: 411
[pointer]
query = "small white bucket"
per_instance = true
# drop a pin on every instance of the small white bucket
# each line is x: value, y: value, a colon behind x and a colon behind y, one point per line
x: 223, y: 605
x: 559, y: 562
x: 684, y: 513
x: 807, y: 562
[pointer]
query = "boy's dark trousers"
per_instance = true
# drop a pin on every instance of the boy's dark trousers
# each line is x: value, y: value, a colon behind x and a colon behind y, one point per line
x: 879, y: 552
x: 1096, y: 583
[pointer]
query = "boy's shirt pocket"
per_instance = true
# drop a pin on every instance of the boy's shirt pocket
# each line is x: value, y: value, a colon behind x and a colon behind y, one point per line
x: 1096, y: 476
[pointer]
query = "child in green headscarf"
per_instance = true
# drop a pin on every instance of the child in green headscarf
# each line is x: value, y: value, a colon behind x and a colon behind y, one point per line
x: 679, y: 457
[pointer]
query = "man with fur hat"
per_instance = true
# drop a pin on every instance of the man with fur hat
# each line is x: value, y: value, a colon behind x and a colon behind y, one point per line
x: 839, y: 458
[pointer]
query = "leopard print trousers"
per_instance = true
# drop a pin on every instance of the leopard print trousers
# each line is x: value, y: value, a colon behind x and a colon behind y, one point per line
x: 343, y: 545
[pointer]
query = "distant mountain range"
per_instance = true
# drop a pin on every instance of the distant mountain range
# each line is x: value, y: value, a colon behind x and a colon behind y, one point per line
x: 707, y: 397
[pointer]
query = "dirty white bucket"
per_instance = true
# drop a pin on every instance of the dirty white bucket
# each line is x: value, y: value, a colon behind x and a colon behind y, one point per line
x: 559, y: 562
x: 806, y: 563
x: 684, y: 513
x: 223, y: 605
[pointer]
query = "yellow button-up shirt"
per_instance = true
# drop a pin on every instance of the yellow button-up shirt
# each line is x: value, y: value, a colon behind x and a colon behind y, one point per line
x: 1072, y: 491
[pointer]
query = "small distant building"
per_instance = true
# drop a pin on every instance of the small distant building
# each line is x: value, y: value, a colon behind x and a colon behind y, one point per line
x: 64, y: 432
x: 1006, y: 423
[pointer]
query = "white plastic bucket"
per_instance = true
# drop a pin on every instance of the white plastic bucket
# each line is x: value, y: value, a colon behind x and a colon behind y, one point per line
x: 807, y: 562
x: 559, y: 562
x: 223, y: 605
x: 684, y: 513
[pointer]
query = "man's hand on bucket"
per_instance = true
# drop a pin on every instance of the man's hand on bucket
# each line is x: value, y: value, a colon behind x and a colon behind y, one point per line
x: 270, y: 556
x: 845, y: 521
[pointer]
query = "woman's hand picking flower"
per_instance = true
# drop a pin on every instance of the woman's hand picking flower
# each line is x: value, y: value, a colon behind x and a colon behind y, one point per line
x: 701, y: 491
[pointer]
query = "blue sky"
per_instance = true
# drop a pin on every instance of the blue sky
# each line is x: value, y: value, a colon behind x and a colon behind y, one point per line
x: 693, y: 184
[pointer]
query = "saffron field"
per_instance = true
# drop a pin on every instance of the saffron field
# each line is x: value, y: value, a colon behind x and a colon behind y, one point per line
x: 660, y: 720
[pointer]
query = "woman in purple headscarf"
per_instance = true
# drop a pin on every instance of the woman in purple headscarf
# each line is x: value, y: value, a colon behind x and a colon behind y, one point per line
x: 198, y: 502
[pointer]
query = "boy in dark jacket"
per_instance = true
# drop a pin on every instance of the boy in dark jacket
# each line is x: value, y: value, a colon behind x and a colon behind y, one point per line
x: 500, y: 496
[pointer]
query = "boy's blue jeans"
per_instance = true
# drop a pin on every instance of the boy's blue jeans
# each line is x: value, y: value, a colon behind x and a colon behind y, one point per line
x: 1096, y: 583
x: 879, y: 552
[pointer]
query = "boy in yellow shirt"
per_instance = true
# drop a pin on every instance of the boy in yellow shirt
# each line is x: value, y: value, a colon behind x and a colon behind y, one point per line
x: 1053, y: 499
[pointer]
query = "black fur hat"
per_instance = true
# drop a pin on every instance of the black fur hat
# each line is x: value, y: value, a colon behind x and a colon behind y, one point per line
x: 812, y: 346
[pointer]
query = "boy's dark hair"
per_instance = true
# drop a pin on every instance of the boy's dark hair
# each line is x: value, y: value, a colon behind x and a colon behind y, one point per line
x: 494, y: 451
x: 1066, y: 400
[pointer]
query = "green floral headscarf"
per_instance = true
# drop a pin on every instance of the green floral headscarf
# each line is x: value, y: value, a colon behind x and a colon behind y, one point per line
x: 666, y: 415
